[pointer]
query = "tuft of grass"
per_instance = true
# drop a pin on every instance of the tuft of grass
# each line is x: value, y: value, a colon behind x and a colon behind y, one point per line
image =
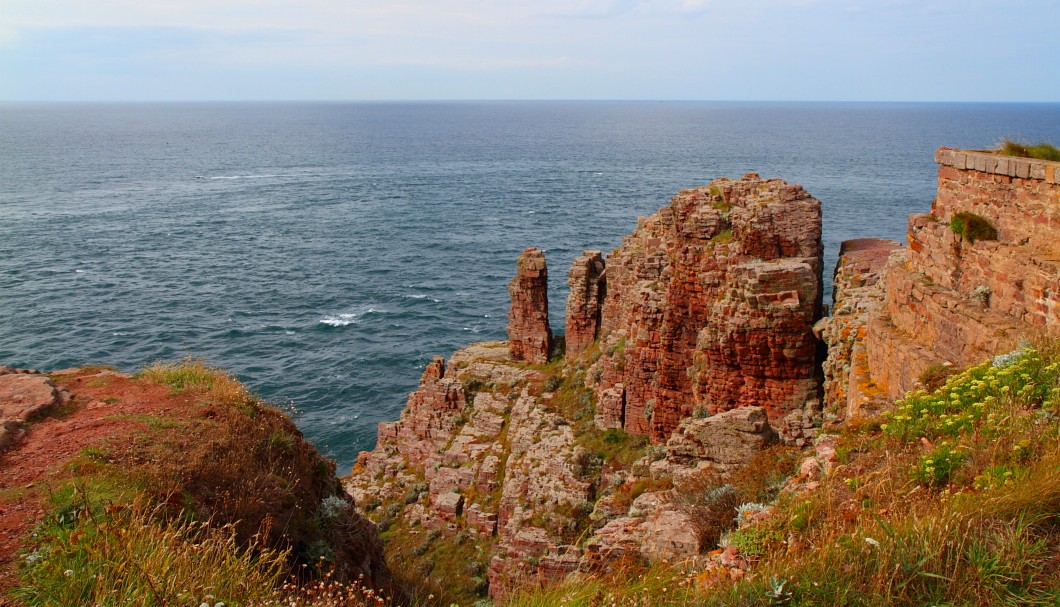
x: 135, y: 556
x: 972, y: 227
x: 722, y: 237
x: 194, y: 375
x: 1041, y: 151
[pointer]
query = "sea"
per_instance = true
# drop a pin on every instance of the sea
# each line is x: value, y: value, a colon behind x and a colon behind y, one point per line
x: 325, y: 252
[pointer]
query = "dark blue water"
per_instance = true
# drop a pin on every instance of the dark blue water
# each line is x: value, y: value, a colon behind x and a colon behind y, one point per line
x: 329, y: 250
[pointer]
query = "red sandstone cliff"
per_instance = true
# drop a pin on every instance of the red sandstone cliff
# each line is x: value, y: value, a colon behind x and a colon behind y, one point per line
x: 710, y: 305
x: 707, y: 308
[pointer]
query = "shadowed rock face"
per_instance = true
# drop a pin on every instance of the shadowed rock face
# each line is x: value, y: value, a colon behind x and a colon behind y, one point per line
x: 587, y: 289
x: 710, y: 305
x: 529, y: 335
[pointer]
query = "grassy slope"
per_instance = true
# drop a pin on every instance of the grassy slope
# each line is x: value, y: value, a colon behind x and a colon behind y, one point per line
x: 950, y: 498
x: 215, y: 502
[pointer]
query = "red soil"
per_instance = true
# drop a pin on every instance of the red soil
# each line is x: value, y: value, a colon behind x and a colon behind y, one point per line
x: 104, y: 407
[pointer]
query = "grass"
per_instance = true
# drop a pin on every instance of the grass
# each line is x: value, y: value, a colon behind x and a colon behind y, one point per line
x: 136, y: 556
x: 952, y: 497
x: 972, y: 227
x: 194, y: 375
x: 1041, y: 151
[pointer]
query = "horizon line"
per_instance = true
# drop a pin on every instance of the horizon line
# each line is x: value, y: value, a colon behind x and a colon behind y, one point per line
x: 522, y: 100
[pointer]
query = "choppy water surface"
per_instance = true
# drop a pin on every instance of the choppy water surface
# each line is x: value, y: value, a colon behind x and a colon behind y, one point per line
x: 324, y: 252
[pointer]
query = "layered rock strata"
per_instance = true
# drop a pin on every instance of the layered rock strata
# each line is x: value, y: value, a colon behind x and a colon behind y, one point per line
x: 529, y: 334
x: 710, y: 306
x: 478, y: 450
x: 588, y: 286
x: 954, y: 300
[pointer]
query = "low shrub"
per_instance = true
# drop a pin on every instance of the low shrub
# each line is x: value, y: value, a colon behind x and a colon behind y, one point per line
x: 972, y: 227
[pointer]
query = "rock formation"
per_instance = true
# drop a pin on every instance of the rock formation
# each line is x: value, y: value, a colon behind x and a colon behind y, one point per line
x: 707, y: 308
x: 727, y: 440
x: 710, y: 305
x: 24, y: 395
x: 585, y: 301
x: 529, y: 334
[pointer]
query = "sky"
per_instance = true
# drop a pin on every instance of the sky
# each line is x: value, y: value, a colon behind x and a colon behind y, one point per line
x: 843, y: 50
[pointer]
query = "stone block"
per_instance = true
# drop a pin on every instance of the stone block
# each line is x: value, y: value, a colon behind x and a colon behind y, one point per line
x: 1004, y: 166
x: 981, y: 163
x: 1023, y: 168
x: 1037, y: 170
x: 959, y: 160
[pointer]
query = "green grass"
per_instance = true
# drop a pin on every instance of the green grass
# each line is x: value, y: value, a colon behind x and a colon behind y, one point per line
x: 133, y: 556
x: 972, y: 227
x: 722, y: 237
x: 1041, y: 151
x: 194, y: 375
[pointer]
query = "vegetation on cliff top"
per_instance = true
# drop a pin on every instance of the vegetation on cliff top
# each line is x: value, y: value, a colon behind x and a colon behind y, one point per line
x: 1041, y: 151
x: 217, y: 499
x: 949, y: 498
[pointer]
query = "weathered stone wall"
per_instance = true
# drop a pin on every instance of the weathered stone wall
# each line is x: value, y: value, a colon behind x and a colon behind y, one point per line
x: 710, y: 305
x: 953, y: 301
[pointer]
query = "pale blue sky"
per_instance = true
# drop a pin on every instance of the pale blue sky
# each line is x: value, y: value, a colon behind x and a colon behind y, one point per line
x: 905, y: 50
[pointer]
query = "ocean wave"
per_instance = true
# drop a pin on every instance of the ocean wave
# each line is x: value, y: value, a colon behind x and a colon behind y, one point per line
x: 339, y: 320
x: 423, y: 296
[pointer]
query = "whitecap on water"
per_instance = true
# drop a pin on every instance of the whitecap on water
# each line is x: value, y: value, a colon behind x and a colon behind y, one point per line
x: 339, y: 320
x: 423, y: 296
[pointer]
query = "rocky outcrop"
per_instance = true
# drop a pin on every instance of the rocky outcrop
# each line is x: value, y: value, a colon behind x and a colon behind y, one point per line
x: 529, y: 334
x: 585, y: 302
x: 24, y: 395
x: 710, y: 305
x: 727, y: 440
x: 478, y: 450
x: 857, y: 297
x: 954, y: 299
x: 706, y: 309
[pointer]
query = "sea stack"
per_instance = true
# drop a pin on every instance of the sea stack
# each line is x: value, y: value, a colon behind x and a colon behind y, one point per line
x: 587, y: 289
x: 529, y: 334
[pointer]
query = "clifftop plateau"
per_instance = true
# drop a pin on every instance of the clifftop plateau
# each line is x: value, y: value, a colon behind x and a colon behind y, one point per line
x: 163, y: 488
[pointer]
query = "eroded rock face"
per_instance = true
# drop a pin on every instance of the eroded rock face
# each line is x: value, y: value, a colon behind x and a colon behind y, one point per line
x: 529, y: 334
x: 710, y: 305
x: 585, y: 302
x: 476, y: 451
